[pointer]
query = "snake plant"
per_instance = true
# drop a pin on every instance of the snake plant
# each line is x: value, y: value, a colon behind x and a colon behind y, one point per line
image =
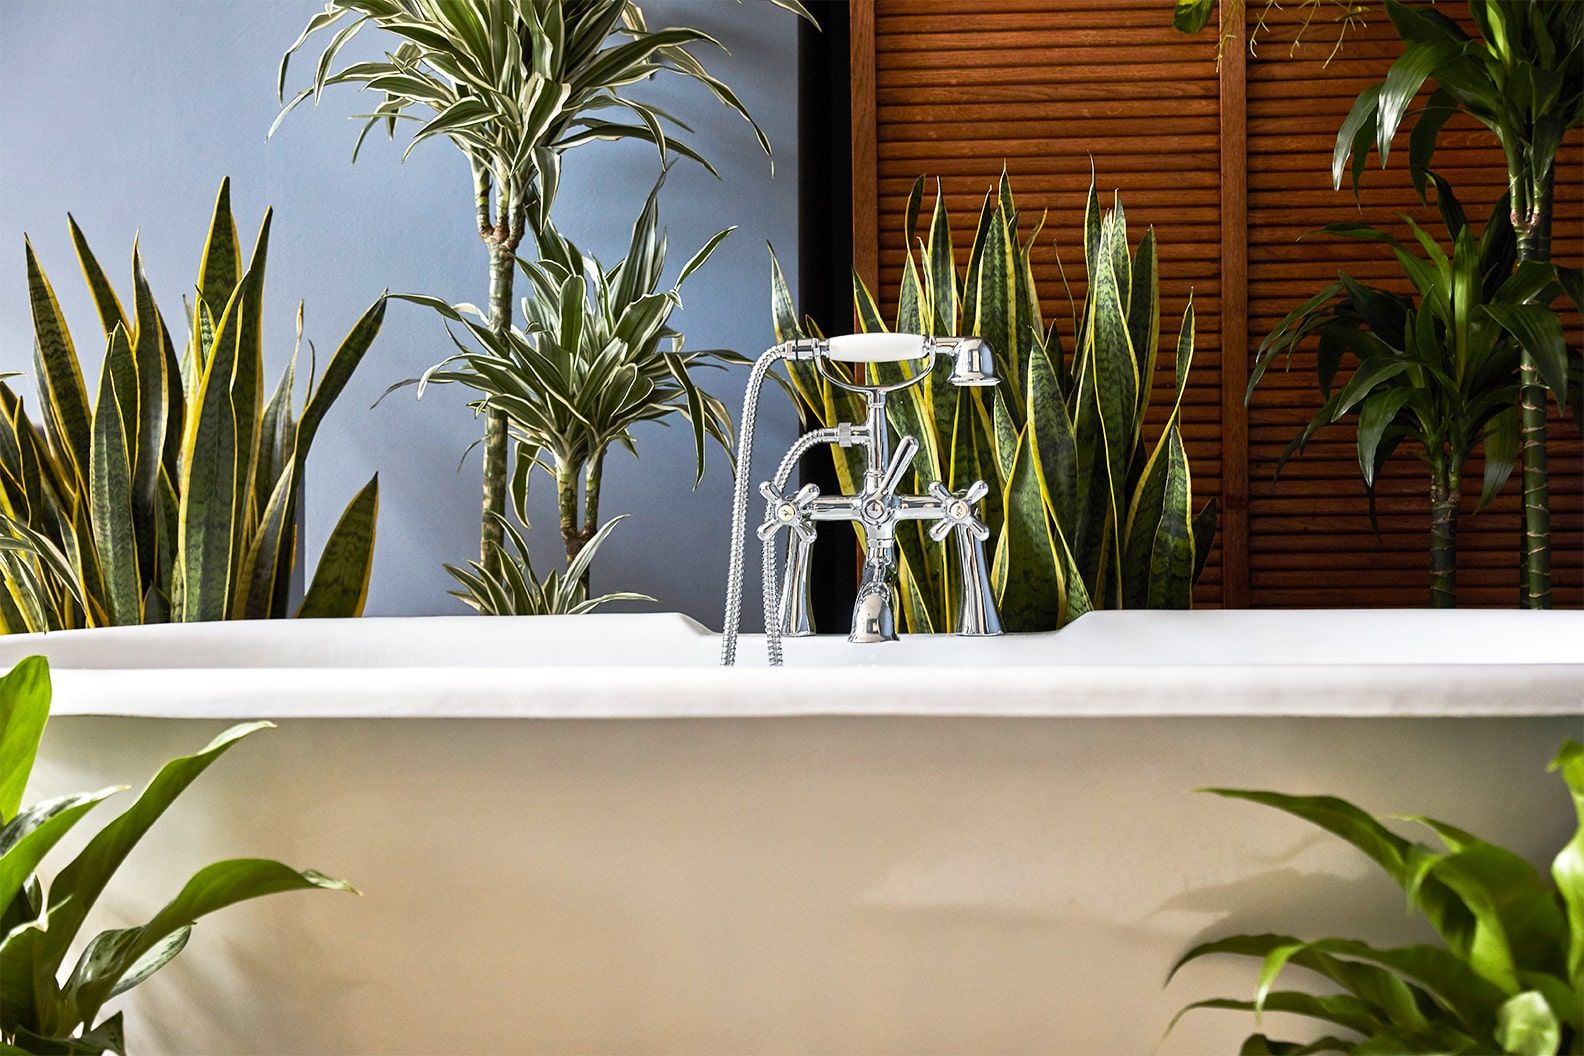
x: 1439, y: 368
x: 173, y: 494
x: 1523, y: 79
x: 44, y: 1009
x: 1084, y: 512
x: 1507, y: 975
x: 513, y: 84
x: 595, y: 358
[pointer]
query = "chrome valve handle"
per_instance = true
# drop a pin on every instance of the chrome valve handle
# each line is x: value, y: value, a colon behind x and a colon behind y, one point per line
x: 958, y: 510
x: 790, y: 513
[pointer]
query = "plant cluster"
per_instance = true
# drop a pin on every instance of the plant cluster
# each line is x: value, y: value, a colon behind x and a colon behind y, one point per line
x: 1507, y: 977
x: 594, y: 358
x: 1440, y: 368
x: 1085, y: 512
x: 173, y: 494
x: 43, y: 1010
x: 514, y: 84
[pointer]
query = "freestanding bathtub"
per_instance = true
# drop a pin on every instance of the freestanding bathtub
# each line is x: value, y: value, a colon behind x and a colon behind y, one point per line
x: 578, y: 835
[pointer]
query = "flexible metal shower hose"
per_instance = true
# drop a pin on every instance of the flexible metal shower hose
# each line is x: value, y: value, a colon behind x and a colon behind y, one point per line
x: 739, y: 520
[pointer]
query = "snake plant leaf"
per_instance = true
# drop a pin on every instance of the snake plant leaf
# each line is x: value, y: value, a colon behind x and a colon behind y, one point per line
x: 1526, y: 1026
x: 1114, y: 385
x: 260, y: 580
x: 1007, y: 438
x: 942, y: 267
x: 996, y: 304
x: 970, y: 286
x: 337, y: 373
x: 221, y: 263
x: 1538, y: 329
x: 1144, y: 319
x: 77, y: 887
x: 111, y: 955
x: 341, y: 580
x: 111, y: 314
x: 1075, y: 596
x: 24, y: 709
x: 147, y: 437
x: 1172, y: 555
x: 65, y: 397
x: 27, y: 837
x: 110, y: 483
x: 208, y: 512
x: 1055, y: 448
x: 1031, y: 596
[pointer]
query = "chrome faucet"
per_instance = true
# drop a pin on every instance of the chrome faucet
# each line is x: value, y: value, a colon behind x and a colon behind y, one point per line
x: 877, y: 508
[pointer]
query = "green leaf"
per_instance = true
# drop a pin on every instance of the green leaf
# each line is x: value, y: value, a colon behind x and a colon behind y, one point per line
x: 1567, y: 869
x: 24, y: 709
x: 1357, y: 130
x: 1526, y: 1026
x: 341, y: 581
x: 1190, y: 16
x: 336, y: 375
x: 1372, y: 372
x: 1379, y: 411
x: 110, y: 482
x: 104, y: 296
x: 1402, y: 83
x: 29, y: 836
x: 1538, y: 331
x: 1499, y: 441
x: 66, y: 418
x: 208, y: 513
x: 1024, y: 573
x: 77, y: 887
x: 221, y: 265
x: 113, y: 954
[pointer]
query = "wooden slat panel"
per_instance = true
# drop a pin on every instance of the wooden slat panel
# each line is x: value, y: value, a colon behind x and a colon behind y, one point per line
x: 1233, y: 170
x: 1310, y: 538
x: 1040, y: 86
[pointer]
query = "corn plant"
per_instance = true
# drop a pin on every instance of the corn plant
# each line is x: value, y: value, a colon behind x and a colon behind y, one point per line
x: 44, y: 1008
x: 515, y: 589
x: 1084, y: 512
x: 1439, y: 369
x: 1523, y: 79
x: 513, y: 84
x: 174, y: 494
x: 594, y: 359
x: 1507, y: 975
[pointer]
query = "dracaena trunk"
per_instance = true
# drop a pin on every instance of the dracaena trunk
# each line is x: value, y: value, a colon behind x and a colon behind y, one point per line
x: 494, y: 500
x: 1444, y: 497
x: 1533, y: 229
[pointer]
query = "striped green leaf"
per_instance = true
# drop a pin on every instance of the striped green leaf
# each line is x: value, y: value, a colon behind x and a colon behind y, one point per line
x: 110, y: 482
x: 208, y: 525
x: 65, y: 397
x: 1025, y: 573
x: 341, y: 580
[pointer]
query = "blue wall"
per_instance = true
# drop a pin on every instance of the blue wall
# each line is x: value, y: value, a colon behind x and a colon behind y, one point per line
x: 128, y: 113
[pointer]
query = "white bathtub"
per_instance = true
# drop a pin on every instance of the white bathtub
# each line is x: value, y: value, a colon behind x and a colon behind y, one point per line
x: 936, y: 846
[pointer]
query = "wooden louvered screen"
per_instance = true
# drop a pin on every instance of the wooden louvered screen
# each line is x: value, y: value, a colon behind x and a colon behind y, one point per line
x: 1310, y: 541
x: 1041, y: 86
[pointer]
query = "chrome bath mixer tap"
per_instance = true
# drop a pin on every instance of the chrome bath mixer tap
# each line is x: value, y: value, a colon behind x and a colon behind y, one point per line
x: 877, y: 508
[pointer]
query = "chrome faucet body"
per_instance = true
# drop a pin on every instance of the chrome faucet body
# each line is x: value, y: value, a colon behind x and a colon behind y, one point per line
x: 877, y: 508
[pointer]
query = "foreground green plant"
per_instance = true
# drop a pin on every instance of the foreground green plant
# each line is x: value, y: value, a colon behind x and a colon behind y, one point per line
x: 594, y: 359
x: 1509, y: 973
x: 43, y: 1010
x: 1084, y: 513
x: 513, y: 84
x: 1522, y: 78
x: 173, y: 495
x: 1441, y: 368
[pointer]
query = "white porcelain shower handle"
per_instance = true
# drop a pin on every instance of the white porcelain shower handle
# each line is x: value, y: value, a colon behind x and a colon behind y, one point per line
x: 878, y: 348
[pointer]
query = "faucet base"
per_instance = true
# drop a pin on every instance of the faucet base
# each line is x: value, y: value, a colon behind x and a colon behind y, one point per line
x: 872, y: 618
